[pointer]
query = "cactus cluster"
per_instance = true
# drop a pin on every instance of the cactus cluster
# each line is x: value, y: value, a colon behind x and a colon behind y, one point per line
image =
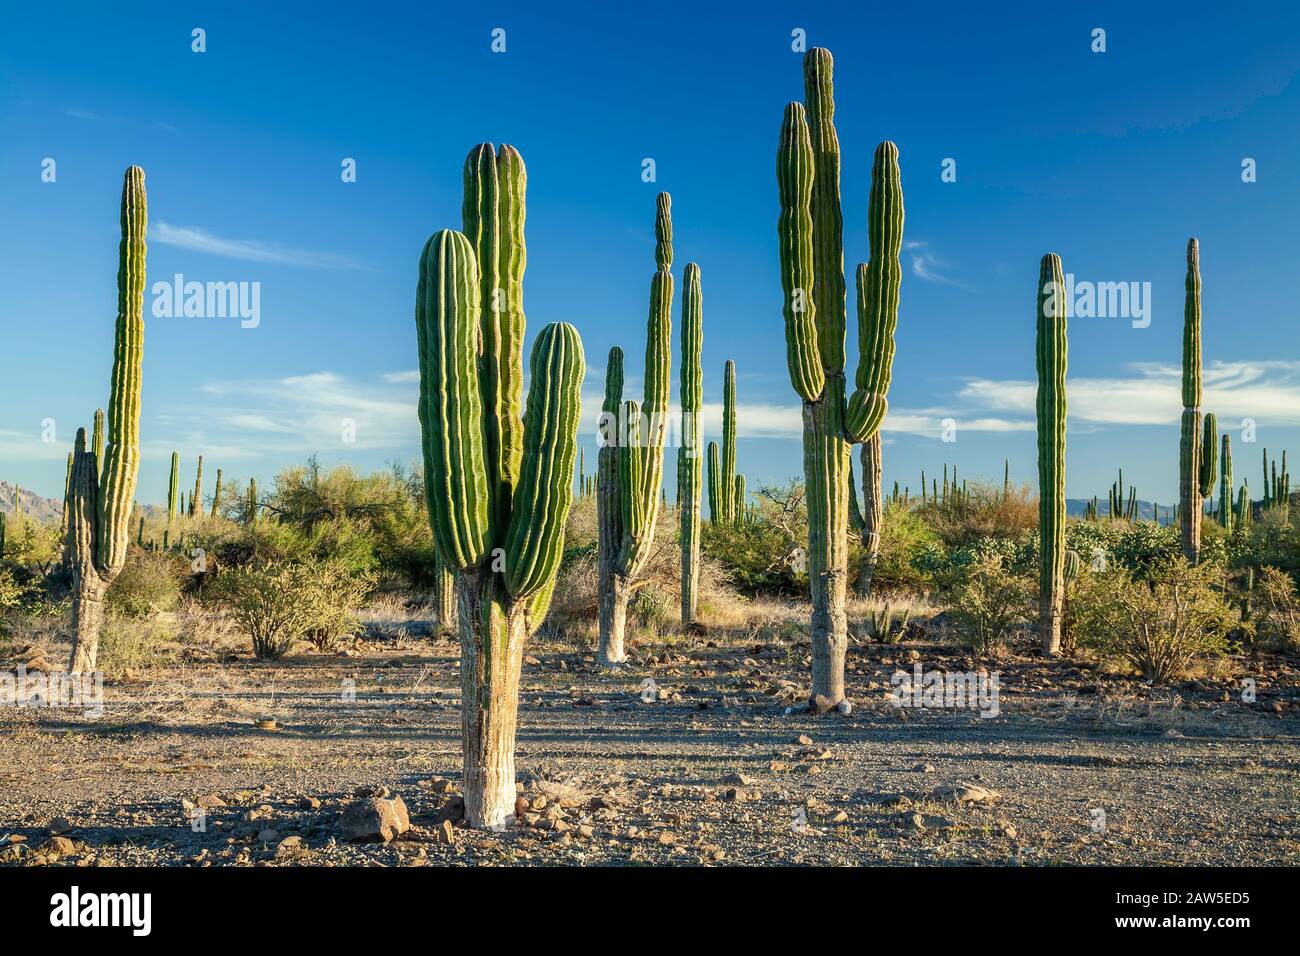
x: 1051, y: 351
x: 1121, y: 507
x: 497, y: 475
x: 726, y: 487
x: 1277, y: 484
x: 102, y: 488
x: 630, y: 467
x: 810, y: 242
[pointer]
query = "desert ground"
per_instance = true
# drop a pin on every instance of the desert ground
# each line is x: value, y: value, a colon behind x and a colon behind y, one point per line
x: 212, y: 758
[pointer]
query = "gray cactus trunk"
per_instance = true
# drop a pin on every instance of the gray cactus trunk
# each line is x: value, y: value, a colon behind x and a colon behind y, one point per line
x: 444, y: 593
x: 826, y: 468
x: 87, y: 622
x: 614, y: 588
x: 872, y: 514
x: 615, y: 591
x: 492, y: 634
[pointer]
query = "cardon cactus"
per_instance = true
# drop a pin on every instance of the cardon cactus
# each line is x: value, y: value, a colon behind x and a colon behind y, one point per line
x: 716, y: 495
x: 216, y: 495
x: 872, y: 513
x: 1189, y: 449
x: 97, y: 438
x: 1209, y: 459
x: 103, y: 491
x: 444, y: 595
x: 727, y: 480
x: 689, y: 459
x: 1050, y: 407
x: 498, y: 477
x: 810, y: 241
x: 1225, y: 484
x: 196, y: 499
x: 173, y: 487
x: 250, y: 502
x: 631, y: 456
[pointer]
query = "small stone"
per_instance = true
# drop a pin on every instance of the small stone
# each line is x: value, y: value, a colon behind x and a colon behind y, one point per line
x: 737, y: 778
x: 289, y: 847
x: 734, y: 795
x: 60, y: 846
x: 666, y: 839
x: 532, y: 661
x: 532, y: 819
x: 59, y: 825
x: 844, y: 707
x: 444, y: 833
x: 267, y: 723
x: 375, y: 819
x: 309, y: 803
x: 438, y: 785
x: 924, y: 768
x: 820, y: 704
x: 210, y: 801
x: 585, y: 830
x: 839, y: 817
x: 268, y: 836
x: 964, y: 793
x: 521, y: 806
x: 803, y: 740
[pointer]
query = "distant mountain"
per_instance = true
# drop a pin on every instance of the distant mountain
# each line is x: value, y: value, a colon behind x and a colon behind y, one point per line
x: 43, y: 509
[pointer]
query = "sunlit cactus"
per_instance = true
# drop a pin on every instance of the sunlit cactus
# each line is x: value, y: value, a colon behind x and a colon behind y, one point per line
x: 1189, y: 456
x: 103, y: 489
x: 689, y: 459
x: 1051, y: 349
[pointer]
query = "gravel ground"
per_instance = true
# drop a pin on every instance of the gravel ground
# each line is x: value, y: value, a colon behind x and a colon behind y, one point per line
x: 1079, y: 767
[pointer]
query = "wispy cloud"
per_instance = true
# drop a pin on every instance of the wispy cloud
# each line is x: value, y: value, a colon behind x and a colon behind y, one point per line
x: 252, y: 250
x: 927, y: 265
x: 77, y: 112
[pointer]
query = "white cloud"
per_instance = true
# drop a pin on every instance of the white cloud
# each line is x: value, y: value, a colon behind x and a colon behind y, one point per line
x: 927, y: 265
x: 252, y: 250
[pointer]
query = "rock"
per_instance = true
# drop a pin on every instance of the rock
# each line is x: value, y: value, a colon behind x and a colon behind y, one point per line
x: 521, y: 806
x: 916, y: 820
x: 738, y: 779
x: 268, y: 836
x: 309, y: 803
x: 59, y: 825
x: 289, y: 847
x: 585, y: 830
x: 844, y: 707
x: 924, y: 768
x: 375, y: 819
x: 938, y: 823
x: 210, y: 801
x: 60, y: 846
x: 532, y: 661
x: 665, y: 838
x: 734, y: 795
x: 267, y: 723
x: 964, y: 793
x: 438, y: 785
x: 839, y: 817
x: 803, y: 740
x: 820, y: 704
x: 444, y: 832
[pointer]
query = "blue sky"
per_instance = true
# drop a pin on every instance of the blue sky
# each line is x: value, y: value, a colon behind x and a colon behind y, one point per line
x: 1111, y: 159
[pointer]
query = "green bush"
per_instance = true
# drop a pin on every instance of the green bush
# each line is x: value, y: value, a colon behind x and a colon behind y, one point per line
x: 128, y: 642
x: 150, y: 582
x: 1159, y: 624
x: 1277, y: 609
x: 989, y: 601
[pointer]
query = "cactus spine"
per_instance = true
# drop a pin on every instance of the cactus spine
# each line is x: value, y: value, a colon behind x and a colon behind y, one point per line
x: 1051, y: 348
x: 689, y: 460
x: 632, y: 462
x: 102, y: 492
x: 1189, y: 459
x: 196, y: 499
x: 810, y: 235
x: 498, y: 483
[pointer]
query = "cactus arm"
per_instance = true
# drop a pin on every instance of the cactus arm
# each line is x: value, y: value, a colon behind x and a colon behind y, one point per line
x: 689, y: 460
x: 1209, y: 460
x: 726, y: 481
x: 452, y: 422
x: 827, y: 217
x: 535, y: 537
x: 173, y: 486
x: 878, y: 284
x: 715, y: 492
x: 1051, y: 346
x: 1225, y: 484
x: 794, y: 173
x: 492, y: 214
x: 121, y: 464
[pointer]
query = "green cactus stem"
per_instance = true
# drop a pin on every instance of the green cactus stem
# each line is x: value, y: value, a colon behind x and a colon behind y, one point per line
x: 216, y: 496
x: 689, y: 459
x: 1225, y: 483
x: 1051, y: 350
x: 173, y: 487
x: 1189, y: 457
x: 196, y: 499
x: 103, y: 489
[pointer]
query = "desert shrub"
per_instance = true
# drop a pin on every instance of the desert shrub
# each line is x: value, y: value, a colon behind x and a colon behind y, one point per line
x: 765, y: 554
x: 129, y: 642
x: 906, y: 542
x: 983, y: 511
x: 1277, y: 609
x: 149, y: 582
x: 1273, y: 540
x: 654, y: 610
x: 989, y: 601
x: 276, y: 605
x: 1159, y: 624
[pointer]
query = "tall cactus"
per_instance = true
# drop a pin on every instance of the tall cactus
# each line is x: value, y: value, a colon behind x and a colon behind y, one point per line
x: 873, y: 513
x: 196, y: 499
x: 1051, y: 349
x: 628, y: 495
x: 1189, y: 457
x: 97, y: 438
x: 250, y: 503
x: 103, y: 491
x: 1225, y: 484
x: 1209, y: 459
x: 173, y: 487
x: 216, y: 495
x: 498, y: 483
x: 727, y: 480
x: 689, y: 459
x: 810, y: 239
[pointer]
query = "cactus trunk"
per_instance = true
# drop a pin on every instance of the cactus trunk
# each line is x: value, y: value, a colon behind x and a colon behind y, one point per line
x: 196, y: 499
x: 872, y: 514
x: 103, y: 489
x: 1190, y: 451
x: 173, y: 487
x: 216, y: 495
x: 498, y: 483
x: 689, y: 459
x: 1051, y: 417
x: 1225, y: 484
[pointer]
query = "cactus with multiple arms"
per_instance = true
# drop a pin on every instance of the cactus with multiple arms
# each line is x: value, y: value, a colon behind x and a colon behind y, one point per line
x: 498, y: 483
x: 689, y: 460
x: 1190, y: 450
x: 631, y: 469
x: 810, y: 235
x: 1051, y: 349
x: 102, y: 491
